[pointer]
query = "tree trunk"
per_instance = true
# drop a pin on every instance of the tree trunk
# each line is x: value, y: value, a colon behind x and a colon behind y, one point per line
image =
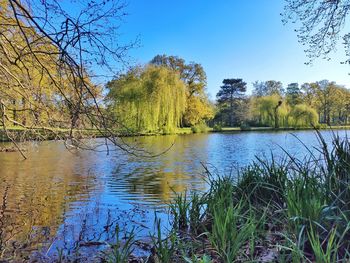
x: 24, y: 120
x: 231, y: 111
x: 276, y: 114
x: 14, y: 112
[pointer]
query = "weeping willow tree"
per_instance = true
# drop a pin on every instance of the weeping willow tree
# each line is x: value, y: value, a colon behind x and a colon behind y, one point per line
x: 266, y: 109
x: 148, y: 99
x: 302, y: 116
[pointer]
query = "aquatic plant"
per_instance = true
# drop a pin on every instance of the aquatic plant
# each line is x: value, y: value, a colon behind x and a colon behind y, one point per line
x: 120, y: 252
x: 179, y: 208
x: 230, y: 230
x: 163, y: 249
x: 284, y: 209
x: 195, y: 259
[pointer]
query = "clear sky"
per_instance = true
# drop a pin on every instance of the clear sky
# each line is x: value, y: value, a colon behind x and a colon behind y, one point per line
x: 231, y: 39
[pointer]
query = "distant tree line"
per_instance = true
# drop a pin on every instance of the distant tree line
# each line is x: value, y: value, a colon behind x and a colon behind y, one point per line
x: 169, y: 93
x: 309, y: 104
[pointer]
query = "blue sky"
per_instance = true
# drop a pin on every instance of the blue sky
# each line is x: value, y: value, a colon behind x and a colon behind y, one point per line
x: 231, y: 39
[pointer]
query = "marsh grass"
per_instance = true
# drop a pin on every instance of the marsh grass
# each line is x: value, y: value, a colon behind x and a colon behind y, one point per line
x: 273, y: 210
x: 120, y: 251
x: 230, y: 230
x: 163, y: 248
x: 285, y: 210
x: 180, y: 209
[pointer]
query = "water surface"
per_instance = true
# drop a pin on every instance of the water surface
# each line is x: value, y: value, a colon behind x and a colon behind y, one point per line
x: 58, y: 200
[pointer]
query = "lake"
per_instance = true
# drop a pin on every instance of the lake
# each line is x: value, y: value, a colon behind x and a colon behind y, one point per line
x: 65, y: 202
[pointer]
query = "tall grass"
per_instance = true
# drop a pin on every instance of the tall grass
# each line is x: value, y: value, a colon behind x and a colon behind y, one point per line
x: 120, y: 251
x: 231, y: 230
x: 163, y: 248
x: 289, y: 210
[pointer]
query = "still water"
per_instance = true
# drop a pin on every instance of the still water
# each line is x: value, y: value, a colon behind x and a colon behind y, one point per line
x: 57, y: 201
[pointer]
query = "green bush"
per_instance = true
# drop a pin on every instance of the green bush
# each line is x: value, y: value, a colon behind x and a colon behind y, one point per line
x: 245, y: 127
x: 302, y: 116
x: 199, y: 128
x: 217, y: 128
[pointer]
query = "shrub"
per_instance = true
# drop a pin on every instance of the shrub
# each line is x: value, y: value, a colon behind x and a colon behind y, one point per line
x: 217, y: 128
x: 302, y: 116
x: 199, y: 128
x: 245, y: 127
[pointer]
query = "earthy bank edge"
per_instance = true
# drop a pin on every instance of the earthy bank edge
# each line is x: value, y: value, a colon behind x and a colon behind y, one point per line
x: 20, y: 134
x: 285, y: 210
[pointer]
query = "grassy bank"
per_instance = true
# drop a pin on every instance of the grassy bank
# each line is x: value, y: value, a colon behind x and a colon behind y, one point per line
x: 18, y: 133
x: 270, y: 211
x: 287, y: 211
x: 21, y: 134
x: 234, y: 129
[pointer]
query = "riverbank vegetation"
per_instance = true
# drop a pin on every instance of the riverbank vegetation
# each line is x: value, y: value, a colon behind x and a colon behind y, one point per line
x: 320, y: 104
x: 311, y: 104
x: 168, y: 94
x: 276, y: 210
x: 47, y: 84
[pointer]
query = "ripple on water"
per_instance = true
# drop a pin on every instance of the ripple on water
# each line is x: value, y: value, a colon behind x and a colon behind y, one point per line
x: 57, y: 198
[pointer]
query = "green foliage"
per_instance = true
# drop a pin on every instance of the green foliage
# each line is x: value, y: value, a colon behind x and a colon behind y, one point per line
x: 313, y: 104
x: 159, y: 97
x: 196, y: 213
x: 120, y: 253
x: 187, y: 212
x: 193, y: 75
x: 263, y: 109
x: 200, y: 128
x: 150, y: 99
x: 300, y: 207
x: 245, y: 127
x: 198, y: 109
x: 267, y: 88
x: 302, y: 116
x: 230, y: 230
x: 305, y: 202
x: 231, y: 102
x: 293, y: 94
x: 164, y: 248
x: 195, y: 259
x: 179, y: 209
x: 217, y: 127
x: 324, y: 253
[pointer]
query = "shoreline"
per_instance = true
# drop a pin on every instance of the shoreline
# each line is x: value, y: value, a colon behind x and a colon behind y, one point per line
x: 48, y: 136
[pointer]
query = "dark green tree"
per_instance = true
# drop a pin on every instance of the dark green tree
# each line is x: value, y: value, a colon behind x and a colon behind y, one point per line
x: 230, y: 98
x: 293, y: 94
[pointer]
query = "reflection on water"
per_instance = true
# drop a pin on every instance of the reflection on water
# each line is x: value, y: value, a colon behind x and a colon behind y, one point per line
x: 58, y: 200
